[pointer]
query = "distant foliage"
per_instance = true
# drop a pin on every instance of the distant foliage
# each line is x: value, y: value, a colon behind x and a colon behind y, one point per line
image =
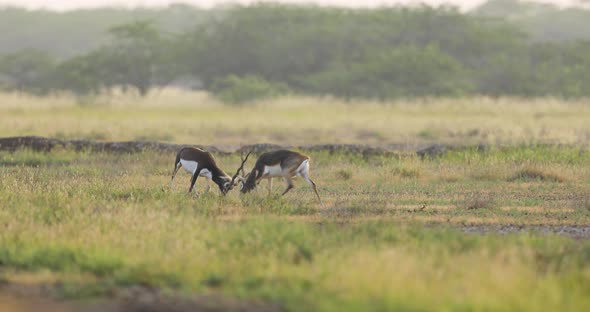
x: 543, y: 22
x: 385, y: 53
x: 240, y: 90
x: 406, y: 71
x: 82, y: 75
x: 245, y: 53
x: 66, y: 34
x: 135, y: 58
x: 26, y: 71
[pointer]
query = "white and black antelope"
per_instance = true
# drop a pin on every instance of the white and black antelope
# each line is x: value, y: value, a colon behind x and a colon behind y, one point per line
x: 201, y: 163
x: 282, y: 163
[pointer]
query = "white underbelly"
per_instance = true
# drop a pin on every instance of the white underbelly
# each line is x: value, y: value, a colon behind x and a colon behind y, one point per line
x: 273, y: 171
x: 191, y: 166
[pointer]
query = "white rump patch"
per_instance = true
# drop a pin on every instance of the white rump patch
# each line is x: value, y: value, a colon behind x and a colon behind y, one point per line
x: 303, y: 169
x: 273, y: 171
x: 191, y: 166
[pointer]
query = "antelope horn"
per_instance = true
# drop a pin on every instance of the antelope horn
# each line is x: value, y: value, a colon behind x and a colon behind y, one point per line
x: 233, y: 179
x: 243, y: 172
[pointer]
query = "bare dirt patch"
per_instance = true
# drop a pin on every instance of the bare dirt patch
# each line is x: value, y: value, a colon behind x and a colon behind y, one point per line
x: 42, y: 297
x: 577, y: 232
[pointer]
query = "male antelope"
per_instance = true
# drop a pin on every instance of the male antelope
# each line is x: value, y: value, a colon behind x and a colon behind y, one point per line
x: 201, y: 163
x: 282, y: 163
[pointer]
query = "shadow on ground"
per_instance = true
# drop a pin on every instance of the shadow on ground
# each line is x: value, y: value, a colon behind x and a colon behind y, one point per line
x: 33, y: 298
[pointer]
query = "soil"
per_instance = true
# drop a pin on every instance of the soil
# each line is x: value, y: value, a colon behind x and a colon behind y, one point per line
x: 32, y: 298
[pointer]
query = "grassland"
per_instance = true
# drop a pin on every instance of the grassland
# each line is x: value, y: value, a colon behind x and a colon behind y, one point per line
x: 392, y: 234
x: 181, y: 117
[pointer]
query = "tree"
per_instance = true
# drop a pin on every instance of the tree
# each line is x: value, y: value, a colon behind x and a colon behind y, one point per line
x: 136, y: 57
x: 406, y: 71
x: 26, y: 71
x: 82, y: 75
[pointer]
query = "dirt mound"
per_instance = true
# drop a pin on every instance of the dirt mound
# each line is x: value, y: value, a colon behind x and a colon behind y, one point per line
x: 43, y: 144
x: 33, y: 142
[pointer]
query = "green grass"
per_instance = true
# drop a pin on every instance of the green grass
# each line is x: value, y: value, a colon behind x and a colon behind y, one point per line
x: 376, y: 265
x: 33, y: 159
x: 386, y: 238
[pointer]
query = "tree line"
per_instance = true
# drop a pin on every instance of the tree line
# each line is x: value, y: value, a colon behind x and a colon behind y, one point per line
x: 269, y: 49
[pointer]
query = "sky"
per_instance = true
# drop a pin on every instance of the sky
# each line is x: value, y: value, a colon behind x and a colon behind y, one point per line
x: 68, y: 4
x: 75, y: 4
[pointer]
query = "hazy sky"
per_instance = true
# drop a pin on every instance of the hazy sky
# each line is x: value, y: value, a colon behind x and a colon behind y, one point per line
x: 72, y: 4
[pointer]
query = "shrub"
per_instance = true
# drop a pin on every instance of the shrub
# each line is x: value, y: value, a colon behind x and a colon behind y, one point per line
x: 530, y: 173
x: 405, y: 172
x: 238, y: 90
x: 344, y: 174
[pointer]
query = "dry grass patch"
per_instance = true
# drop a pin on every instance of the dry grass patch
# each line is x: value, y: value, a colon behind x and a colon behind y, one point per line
x: 477, y: 200
x: 486, y: 174
x: 423, y: 207
x: 582, y: 204
x: 344, y: 174
x: 452, y: 121
x: 406, y: 172
x: 538, y: 210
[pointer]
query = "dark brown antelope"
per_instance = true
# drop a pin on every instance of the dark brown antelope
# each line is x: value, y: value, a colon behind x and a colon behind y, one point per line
x: 201, y: 163
x: 282, y: 163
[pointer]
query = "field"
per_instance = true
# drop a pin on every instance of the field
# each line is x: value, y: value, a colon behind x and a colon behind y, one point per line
x: 505, y: 228
x: 195, y: 118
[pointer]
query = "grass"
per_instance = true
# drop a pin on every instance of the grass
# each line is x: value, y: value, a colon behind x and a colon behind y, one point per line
x: 389, y: 235
x: 185, y: 117
x: 102, y: 221
x: 371, y: 265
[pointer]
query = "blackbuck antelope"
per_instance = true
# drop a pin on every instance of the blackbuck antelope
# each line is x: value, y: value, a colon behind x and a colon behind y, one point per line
x: 282, y: 163
x: 201, y: 163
